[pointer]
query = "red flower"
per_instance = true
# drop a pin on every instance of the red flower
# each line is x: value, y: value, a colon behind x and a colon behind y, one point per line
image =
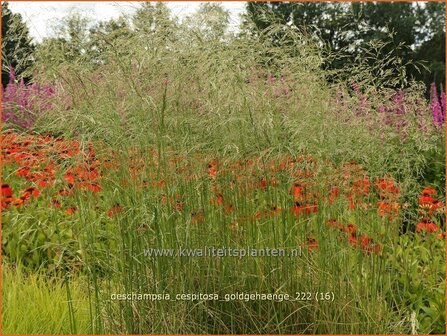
x: 69, y: 177
x: 312, y: 243
x: 217, y: 200
x: 387, y: 208
x: 435, y: 206
x: 427, y: 227
x: 55, y: 203
x: 349, y: 228
x: 351, y: 204
x: 274, y: 210
x: 229, y: 209
x: 334, y: 224
x: 352, y: 240
x: 6, y: 190
x: 298, y: 209
x: 23, y: 172
x: 361, y: 187
x: 262, y: 183
x: 70, y: 211
x: 368, y: 245
x: 298, y: 192
x: 26, y: 195
x: 88, y: 173
x: 18, y: 202
x: 94, y: 187
x: 333, y: 194
x: 65, y: 192
x: 114, y: 210
x: 426, y: 200
x: 7, y: 197
x: 428, y: 191
x: 385, y: 186
x: 212, y: 169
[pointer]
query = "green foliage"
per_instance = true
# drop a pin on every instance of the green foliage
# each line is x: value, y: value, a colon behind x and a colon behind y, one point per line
x: 41, y: 241
x: 419, y: 263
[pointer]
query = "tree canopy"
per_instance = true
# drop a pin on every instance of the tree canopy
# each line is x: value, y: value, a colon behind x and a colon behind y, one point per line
x: 414, y: 32
x: 17, y: 46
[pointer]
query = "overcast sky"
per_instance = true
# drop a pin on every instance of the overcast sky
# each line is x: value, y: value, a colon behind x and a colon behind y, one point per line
x: 42, y: 16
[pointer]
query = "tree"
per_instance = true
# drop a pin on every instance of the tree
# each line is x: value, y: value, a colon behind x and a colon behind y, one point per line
x: 412, y: 32
x: 431, y: 50
x: 106, y: 37
x: 17, y: 46
x: 327, y: 21
x: 210, y: 22
x: 154, y: 21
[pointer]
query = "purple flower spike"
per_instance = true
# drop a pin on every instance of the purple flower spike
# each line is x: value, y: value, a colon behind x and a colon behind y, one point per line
x: 437, y: 111
x: 443, y: 102
x: 21, y: 103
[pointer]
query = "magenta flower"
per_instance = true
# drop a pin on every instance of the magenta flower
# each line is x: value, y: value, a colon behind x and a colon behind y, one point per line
x: 22, y: 103
x: 438, y: 112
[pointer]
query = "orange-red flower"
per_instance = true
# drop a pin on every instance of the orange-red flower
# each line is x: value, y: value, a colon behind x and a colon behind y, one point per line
x: 26, y: 194
x: 116, y: 209
x: 426, y: 227
x: 426, y: 200
x: 386, y: 187
x: 217, y: 200
x: 7, y: 195
x: 24, y: 171
x: 69, y: 177
x: 298, y: 191
x: 349, y: 228
x: 361, y: 186
x: 334, y: 193
x: 6, y: 190
x: 369, y: 246
x: 56, y: 203
x: 70, y: 211
x: 428, y: 191
x: 352, y: 240
x: 390, y: 209
x: 212, y: 169
x: 312, y: 243
x: 94, y: 187
x: 308, y: 209
x: 333, y: 223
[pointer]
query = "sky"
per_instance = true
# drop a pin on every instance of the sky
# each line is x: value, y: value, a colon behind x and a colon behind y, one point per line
x: 43, y: 15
